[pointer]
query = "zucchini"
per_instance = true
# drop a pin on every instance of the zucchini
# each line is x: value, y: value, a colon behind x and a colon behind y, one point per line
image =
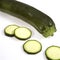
x: 32, y: 46
x: 9, y: 30
x: 53, y: 53
x: 43, y: 23
x: 23, y: 33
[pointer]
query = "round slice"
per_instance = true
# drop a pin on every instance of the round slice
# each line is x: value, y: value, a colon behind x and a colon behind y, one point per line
x: 9, y: 30
x: 23, y: 33
x: 32, y: 46
x: 53, y: 53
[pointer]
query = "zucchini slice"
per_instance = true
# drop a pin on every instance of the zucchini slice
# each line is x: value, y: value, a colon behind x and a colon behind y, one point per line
x: 53, y: 53
x: 32, y: 46
x: 9, y: 30
x: 23, y: 33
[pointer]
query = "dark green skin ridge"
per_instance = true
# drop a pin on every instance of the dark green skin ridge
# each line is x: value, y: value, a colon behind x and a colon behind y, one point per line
x: 47, y: 55
x: 43, y: 23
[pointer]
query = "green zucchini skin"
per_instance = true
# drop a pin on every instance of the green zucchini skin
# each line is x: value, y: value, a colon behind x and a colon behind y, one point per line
x: 43, y: 23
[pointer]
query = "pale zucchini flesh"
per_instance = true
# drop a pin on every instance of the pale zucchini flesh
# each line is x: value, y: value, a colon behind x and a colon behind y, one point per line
x: 9, y: 30
x: 53, y: 53
x: 23, y: 33
x: 32, y: 47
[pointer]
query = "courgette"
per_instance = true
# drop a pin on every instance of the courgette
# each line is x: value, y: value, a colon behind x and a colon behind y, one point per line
x: 23, y: 33
x: 32, y: 46
x: 9, y: 30
x: 53, y: 53
x: 43, y: 23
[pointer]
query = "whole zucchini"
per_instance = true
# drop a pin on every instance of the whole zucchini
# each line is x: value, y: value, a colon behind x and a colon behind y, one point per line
x: 43, y: 23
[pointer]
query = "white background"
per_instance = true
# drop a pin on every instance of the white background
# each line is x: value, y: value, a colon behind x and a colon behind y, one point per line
x: 11, y: 47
